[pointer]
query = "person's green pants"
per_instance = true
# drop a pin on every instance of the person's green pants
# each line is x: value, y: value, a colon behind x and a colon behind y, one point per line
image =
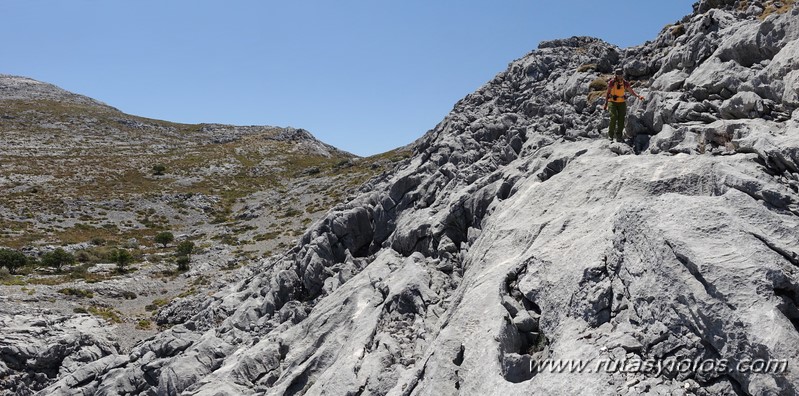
x: 617, y: 112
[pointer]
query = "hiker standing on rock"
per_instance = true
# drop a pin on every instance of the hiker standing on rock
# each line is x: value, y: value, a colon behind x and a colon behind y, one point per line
x: 614, y: 100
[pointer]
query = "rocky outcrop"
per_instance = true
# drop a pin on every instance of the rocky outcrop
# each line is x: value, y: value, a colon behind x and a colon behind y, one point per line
x: 518, y: 237
x: 37, y: 349
x: 725, y: 63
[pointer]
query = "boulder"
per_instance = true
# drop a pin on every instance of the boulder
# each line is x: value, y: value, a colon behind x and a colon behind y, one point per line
x: 636, y: 68
x: 670, y: 81
x: 742, y: 105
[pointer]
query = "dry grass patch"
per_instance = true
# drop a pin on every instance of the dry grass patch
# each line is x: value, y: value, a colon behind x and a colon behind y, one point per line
x: 677, y: 30
x: 156, y: 304
x: 772, y: 8
x: 11, y: 280
x: 82, y: 293
x: 144, y: 324
x: 111, y: 315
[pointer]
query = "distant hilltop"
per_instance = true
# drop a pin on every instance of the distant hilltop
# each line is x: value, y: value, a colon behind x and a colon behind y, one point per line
x: 24, y: 88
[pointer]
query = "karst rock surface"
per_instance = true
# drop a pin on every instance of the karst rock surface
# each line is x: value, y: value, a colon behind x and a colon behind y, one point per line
x: 517, y: 233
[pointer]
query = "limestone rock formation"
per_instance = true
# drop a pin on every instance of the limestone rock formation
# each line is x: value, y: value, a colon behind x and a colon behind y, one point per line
x: 518, y: 235
x: 37, y: 349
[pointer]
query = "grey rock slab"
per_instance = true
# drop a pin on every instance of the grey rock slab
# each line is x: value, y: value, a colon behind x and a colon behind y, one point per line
x: 715, y: 76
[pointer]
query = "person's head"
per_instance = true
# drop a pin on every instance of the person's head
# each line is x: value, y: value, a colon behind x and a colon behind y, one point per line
x: 619, y: 74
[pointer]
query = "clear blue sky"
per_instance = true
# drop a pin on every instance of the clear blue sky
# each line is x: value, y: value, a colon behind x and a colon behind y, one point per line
x: 366, y: 76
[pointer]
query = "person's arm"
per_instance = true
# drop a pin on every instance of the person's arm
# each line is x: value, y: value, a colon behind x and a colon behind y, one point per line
x: 630, y: 90
x: 607, y: 96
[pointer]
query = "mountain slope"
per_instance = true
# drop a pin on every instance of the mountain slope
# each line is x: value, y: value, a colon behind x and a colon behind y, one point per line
x: 516, y: 233
x: 80, y: 175
x: 74, y: 169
